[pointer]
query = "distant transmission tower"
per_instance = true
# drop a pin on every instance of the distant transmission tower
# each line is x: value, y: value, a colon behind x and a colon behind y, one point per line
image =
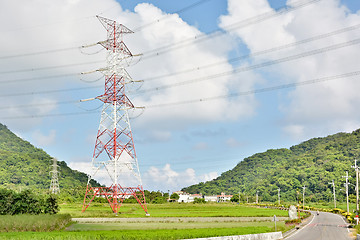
x: 114, y: 154
x: 54, y: 185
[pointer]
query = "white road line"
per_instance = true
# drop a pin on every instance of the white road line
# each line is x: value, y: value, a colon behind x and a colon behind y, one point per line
x: 343, y: 220
x: 302, y: 227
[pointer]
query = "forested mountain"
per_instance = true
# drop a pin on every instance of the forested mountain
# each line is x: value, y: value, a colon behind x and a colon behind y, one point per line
x: 24, y: 166
x: 314, y: 163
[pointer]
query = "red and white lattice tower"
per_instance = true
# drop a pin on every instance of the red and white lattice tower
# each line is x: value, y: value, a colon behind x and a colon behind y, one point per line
x: 114, y: 154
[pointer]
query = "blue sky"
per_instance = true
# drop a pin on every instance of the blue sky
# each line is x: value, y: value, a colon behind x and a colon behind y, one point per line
x: 179, y: 144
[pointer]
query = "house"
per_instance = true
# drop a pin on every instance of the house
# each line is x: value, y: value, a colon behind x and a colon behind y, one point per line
x: 186, y: 197
x: 213, y: 198
x: 222, y: 197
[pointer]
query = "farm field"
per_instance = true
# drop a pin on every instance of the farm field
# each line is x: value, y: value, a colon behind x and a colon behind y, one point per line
x: 138, y: 234
x: 172, y: 210
x: 167, y: 221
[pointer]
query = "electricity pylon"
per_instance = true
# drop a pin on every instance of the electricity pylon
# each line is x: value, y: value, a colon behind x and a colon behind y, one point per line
x: 114, y: 152
x: 54, y: 185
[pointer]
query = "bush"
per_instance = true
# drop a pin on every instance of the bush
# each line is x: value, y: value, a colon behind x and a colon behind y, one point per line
x: 25, y: 202
x: 34, y: 223
x: 159, y: 200
x: 293, y: 221
x: 199, y: 200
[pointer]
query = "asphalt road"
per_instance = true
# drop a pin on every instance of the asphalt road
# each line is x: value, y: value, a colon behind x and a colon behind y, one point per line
x: 325, y: 226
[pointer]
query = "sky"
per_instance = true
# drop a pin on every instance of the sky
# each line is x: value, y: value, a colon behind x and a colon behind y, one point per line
x: 221, y: 80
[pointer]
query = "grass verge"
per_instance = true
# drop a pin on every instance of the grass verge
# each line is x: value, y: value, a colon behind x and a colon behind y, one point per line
x: 35, y: 223
x: 173, y: 210
x: 140, y: 234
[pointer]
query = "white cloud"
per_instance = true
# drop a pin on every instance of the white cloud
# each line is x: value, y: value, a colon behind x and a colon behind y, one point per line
x: 154, y: 178
x: 234, y: 143
x: 296, y: 131
x: 201, y: 146
x: 64, y: 24
x: 195, y: 54
x: 167, y: 179
x: 43, y: 140
x: 318, y: 108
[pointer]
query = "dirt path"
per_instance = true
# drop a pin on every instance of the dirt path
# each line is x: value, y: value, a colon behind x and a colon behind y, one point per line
x: 177, y: 219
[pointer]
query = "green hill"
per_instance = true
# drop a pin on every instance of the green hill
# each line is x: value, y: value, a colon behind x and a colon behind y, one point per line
x: 313, y: 163
x: 24, y: 166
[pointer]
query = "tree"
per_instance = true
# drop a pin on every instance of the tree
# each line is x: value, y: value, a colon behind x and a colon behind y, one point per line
x: 199, y: 200
x: 174, y: 196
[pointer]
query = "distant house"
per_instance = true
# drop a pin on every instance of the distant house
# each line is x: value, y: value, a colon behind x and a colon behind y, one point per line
x: 223, y: 197
x: 213, y: 198
x: 186, y: 197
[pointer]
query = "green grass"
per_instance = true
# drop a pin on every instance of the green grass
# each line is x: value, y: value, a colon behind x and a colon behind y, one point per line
x: 157, y: 226
x: 35, y: 223
x: 168, y: 225
x: 140, y: 234
x: 173, y: 210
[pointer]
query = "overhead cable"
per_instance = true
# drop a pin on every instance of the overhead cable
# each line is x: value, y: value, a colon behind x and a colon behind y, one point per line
x: 258, y: 53
x: 261, y: 90
x: 48, y: 91
x: 256, y: 66
x: 230, y: 95
x: 254, y: 54
x: 178, y: 11
x: 218, y: 32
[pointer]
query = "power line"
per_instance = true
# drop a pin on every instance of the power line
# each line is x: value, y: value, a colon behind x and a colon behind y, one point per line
x: 260, y: 65
x: 48, y: 91
x: 73, y: 48
x: 50, y: 67
x: 254, y: 54
x: 37, y: 104
x: 49, y: 24
x: 178, y: 11
x: 266, y: 51
x: 239, y: 70
x: 231, y: 95
x: 38, y: 53
x: 38, y: 78
x: 261, y: 90
x: 218, y: 32
x: 52, y: 115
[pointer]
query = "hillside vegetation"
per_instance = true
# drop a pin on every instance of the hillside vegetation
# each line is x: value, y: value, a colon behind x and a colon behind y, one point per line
x: 23, y: 166
x: 313, y: 163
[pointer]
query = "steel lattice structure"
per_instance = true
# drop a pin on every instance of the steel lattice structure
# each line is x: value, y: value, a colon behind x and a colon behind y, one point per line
x: 54, y: 185
x: 114, y: 151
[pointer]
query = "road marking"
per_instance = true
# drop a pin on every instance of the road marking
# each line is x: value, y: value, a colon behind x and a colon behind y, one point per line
x: 303, y: 227
x: 344, y: 221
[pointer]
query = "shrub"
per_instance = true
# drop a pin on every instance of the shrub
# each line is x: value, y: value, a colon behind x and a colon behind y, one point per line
x: 25, y: 202
x: 199, y: 200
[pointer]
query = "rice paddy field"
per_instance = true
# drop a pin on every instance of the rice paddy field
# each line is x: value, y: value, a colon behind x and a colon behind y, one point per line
x: 172, y: 210
x: 166, y: 221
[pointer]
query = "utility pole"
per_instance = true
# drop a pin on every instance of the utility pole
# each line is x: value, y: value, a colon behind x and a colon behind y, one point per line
x: 114, y: 154
x: 279, y: 195
x: 304, y: 196
x: 333, y: 183
x: 257, y: 196
x: 54, y: 185
x: 347, y: 190
x: 357, y: 185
